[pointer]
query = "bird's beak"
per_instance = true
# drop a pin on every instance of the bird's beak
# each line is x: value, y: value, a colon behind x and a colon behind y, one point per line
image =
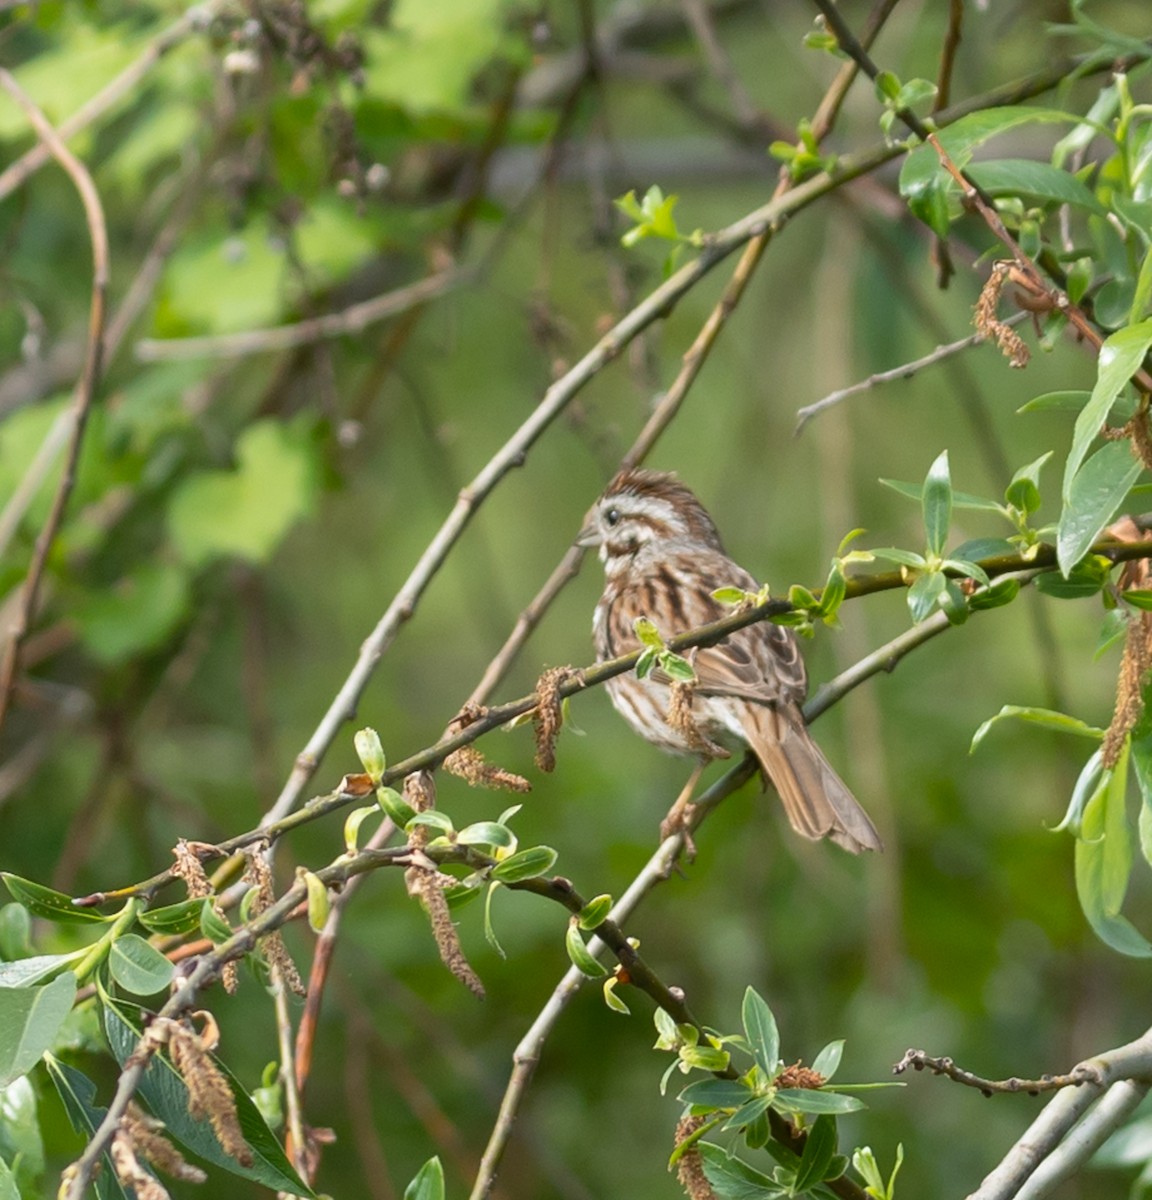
x: 589, y: 535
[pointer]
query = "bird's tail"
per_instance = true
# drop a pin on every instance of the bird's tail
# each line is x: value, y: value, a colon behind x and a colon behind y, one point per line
x: 816, y: 800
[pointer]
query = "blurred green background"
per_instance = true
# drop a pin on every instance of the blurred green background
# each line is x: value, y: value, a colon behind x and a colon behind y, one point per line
x: 198, y: 674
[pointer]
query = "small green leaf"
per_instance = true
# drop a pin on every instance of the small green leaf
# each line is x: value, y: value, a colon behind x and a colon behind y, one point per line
x: 826, y: 1062
x: 915, y: 491
x: 808, y: 1100
x: 431, y: 818
x: 729, y: 595
x: 352, y: 825
x: 646, y: 662
x: 212, y: 925
x: 903, y: 558
x: 936, y: 502
x: 26, y: 971
x: 594, y: 912
x: 138, y: 967
x: 30, y: 1018
x: 428, y: 1183
x: 1024, y: 490
x: 612, y: 999
x: 581, y: 958
x: 1064, y: 401
x: 733, y: 1179
x: 1138, y: 598
x: 716, y: 1093
x: 489, y: 927
x: 487, y: 833
x: 1092, y: 497
x: 397, y: 809
x: 648, y: 634
x: 747, y: 1113
x: 1046, y: 718
x: 925, y: 594
x: 1085, y: 579
x: 371, y: 753
x: 819, y: 1151
x: 676, y: 667
x: 525, y: 864
x: 183, y: 917
x: 42, y: 901
x: 1002, y: 592
x: 761, y: 1032
x: 1035, y: 180
x: 319, y: 904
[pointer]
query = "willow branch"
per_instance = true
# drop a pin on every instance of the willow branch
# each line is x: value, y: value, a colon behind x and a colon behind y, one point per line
x: 904, y: 371
x: 85, y: 388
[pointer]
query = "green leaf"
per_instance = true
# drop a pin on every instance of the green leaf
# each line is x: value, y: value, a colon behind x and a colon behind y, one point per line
x: 1066, y: 401
x: 761, y: 1032
x: 489, y: 928
x: 1036, y: 180
x: 1120, y: 357
x: 30, y: 1018
x: 1096, y: 492
x: 903, y: 558
x: 354, y: 820
x: 486, y: 833
x: 1138, y: 598
x: 733, y: 1179
x: 594, y: 912
x: 428, y: 1183
x: 925, y: 594
x: 979, y: 548
x: 676, y: 667
x: 432, y: 818
x: 1002, y: 592
x: 42, y: 901
x: 138, y: 967
x: 580, y: 955
x: 78, y: 1094
x: 1085, y: 579
x: 213, y: 926
x: 15, y: 932
x: 819, y: 1151
x: 26, y: 971
x: 1103, y: 861
x: 648, y: 634
x: 808, y: 1100
x: 936, y: 503
x: 828, y: 1060
x: 915, y: 492
x: 166, y: 1095
x: 1024, y: 490
x: 716, y: 1093
x: 182, y: 917
x: 1044, y: 717
x: 248, y: 511
x: 319, y: 905
x: 611, y: 999
x: 396, y: 808
x: 21, y: 1144
x: 747, y: 1113
x: 525, y: 864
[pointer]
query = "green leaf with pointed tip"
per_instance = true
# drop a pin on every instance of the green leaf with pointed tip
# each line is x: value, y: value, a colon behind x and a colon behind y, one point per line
x: 1092, y: 498
x: 1120, y: 357
x: 182, y: 917
x: 1034, y: 180
x: 395, y: 807
x: 1024, y: 490
x: 753, y: 1110
x: 761, y: 1032
x: 915, y: 492
x: 716, y: 1093
x: 138, y: 967
x: 925, y: 593
x: 580, y: 955
x: 30, y: 1019
x: 1002, y: 592
x: 676, y: 667
x: 1085, y: 579
x: 26, y: 971
x: 428, y: 1183
x: 166, y: 1094
x: 42, y: 901
x: 213, y: 926
x: 902, y: 558
x: 486, y: 833
x: 808, y: 1100
x: 594, y: 912
x: 828, y: 1060
x: 936, y: 503
x: 1046, y: 718
x: 432, y: 819
x: 1103, y: 862
x: 819, y: 1151
x: 733, y: 1179
x: 78, y: 1095
x: 648, y: 634
x: 525, y: 864
x: 1138, y: 598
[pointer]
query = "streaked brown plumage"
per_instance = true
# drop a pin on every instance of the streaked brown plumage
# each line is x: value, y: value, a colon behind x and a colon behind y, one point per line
x: 663, y: 559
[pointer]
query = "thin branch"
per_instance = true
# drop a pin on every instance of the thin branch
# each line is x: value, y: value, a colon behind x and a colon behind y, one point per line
x: 85, y: 387
x: 354, y: 319
x: 948, y: 54
x: 904, y: 371
x: 920, y: 1060
x: 700, y: 17
x: 109, y: 96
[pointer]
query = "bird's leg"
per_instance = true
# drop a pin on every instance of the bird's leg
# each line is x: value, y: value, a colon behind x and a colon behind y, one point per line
x: 677, y: 819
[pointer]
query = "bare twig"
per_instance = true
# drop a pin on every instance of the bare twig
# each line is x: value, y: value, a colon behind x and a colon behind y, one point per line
x: 701, y: 18
x: 904, y: 371
x: 353, y: 319
x: 948, y: 55
x: 85, y: 387
x: 920, y: 1060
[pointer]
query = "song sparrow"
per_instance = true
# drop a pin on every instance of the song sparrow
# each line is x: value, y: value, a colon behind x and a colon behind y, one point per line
x: 663, y: 559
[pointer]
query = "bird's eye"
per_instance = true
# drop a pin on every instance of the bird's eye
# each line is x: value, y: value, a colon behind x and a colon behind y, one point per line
x: 612, y: 516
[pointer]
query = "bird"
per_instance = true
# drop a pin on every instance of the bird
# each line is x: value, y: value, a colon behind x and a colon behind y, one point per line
x: 663, y: 559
